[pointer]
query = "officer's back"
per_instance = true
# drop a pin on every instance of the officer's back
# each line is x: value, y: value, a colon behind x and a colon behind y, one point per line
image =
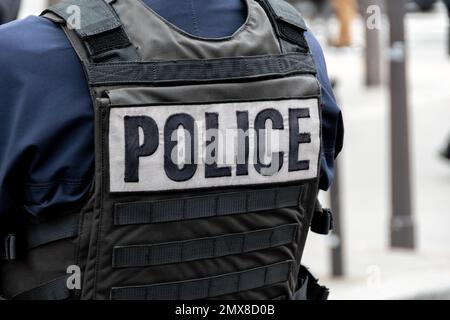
x: 55, y: 162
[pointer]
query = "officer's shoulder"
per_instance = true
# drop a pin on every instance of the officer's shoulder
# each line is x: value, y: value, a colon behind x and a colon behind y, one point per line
x: 29, y: 38
x: 313, y: 43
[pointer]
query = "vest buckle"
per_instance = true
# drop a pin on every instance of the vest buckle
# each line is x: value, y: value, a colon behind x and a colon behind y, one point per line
x: 322, y: 221
x: 8, y: 247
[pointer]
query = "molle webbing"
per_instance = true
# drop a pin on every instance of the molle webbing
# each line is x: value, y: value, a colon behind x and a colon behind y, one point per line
x: 206, y: 248
x: 98, y: 26
x: 207, y: 287
x: 206, y: 206
x: 211, y: 70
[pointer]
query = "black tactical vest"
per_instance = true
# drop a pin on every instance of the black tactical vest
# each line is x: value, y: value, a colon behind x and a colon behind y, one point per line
x: 167, y: 218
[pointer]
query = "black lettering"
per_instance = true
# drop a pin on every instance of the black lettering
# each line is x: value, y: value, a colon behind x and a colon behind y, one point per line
x: 260, y: 125
x: 242, y: 143
x: 172, y: 170
x: 212, y: 142
x: 296, y: 138
x: 133, y: 149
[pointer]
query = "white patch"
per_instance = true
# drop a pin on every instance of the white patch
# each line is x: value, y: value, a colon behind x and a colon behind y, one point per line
x: 152, y: 174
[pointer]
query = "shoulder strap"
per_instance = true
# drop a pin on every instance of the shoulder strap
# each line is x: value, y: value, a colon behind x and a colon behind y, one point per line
x: 97, y: 25
x: 55, y: 289
x: 288, y: 24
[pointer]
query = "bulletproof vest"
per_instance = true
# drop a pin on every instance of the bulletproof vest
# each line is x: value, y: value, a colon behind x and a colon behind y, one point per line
x: 187, y: 201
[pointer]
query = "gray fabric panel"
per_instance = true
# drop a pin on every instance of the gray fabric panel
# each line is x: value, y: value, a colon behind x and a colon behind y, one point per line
x: 206, y: 248
x: 166, y: 41
x: 207, y: 287
x: 185, y: 209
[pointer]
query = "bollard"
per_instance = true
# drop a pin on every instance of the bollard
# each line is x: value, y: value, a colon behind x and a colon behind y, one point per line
x: 402, y: 224
x: 337, y: 261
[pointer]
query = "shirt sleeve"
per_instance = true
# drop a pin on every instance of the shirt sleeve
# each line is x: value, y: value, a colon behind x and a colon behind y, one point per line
x: 332, y: 123
x: 46, y: 144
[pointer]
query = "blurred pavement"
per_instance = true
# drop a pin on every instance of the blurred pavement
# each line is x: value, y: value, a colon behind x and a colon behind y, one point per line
x: 374, y: 271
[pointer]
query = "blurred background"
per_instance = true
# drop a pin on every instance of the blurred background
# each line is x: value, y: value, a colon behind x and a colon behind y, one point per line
x: 390, y: 65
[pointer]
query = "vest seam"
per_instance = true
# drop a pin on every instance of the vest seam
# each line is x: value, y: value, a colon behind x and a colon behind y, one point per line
x: 194, y: 17
x: 101, y: 209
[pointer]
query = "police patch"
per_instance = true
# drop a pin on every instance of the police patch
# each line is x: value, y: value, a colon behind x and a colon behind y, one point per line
x: 173, y: 147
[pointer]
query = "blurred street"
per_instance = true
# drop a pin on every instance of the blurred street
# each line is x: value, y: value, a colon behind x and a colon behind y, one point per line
x: 373, y: 270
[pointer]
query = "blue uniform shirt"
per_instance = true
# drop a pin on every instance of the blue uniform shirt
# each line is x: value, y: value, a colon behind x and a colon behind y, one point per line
x: 46, y: 115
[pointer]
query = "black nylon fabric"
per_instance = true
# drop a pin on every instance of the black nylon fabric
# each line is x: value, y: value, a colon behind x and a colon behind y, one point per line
x: 95, y: 16
x: 46, y: 247
x: 206, y: 248
x: 37, y: 268
x: 58, y: 228
x: 226, y: 203
x: 107, y: 41
x: 207, y: 287
x: 53, y: 290
x: 212, y: 70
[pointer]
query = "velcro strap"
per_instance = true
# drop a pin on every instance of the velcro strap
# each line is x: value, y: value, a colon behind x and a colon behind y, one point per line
x: 205, y: 248
x: 292, y: 34
x: 222, y: 204
x: 288, y: 23
x: 8, y: 247
x: 107, y: 41
x: 95, y: 22
x: 56, y: 289
x: 201, y: 70
x: 87, y: 17
x: 56, y: 228
x: 207, y: 287
x: 284, y: 11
